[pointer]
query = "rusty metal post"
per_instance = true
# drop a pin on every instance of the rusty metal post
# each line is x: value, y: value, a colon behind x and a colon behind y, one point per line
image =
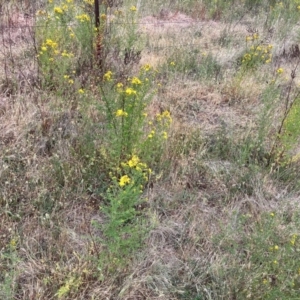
x: 97, y: 15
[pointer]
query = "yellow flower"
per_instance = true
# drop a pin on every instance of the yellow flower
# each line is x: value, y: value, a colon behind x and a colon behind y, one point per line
x: 81, y: 91
x: 172, y: 63
x: 71, y: 81
x: 146, y: 67
x: 58, y: 10
x: 124, y: 180
x: 130, y: 91
x: 136, y: 81
x: 51, y: 43
x: 276, y: 247
x: 265, y: 281
x: 133, y: 161
x: 275, y: 262
x: 103, y: 17
x: 83, y: 17
x: 165, y: 135
x: 133, y: 8
x: 65, y: 54
x: 44, y: 48
x: 268, y: 61
x: 107, y: 76
x: 121, y: 113
x: 248, y: 38
x: 66, y: 76
x: 279, y: 71
x: 272, y: 214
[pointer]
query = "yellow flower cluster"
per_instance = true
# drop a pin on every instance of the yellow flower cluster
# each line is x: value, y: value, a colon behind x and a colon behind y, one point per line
x: 130, y: 91
x: 66, y: 54
x: 164, y: 116
x: 83, y: 18
x: 124, y: 180
x: 121, y: 113
x: 107, y: 76
x: 146, y: 67
x: 58, y: 10
x: 134, y: 163
x: 279, y: 71
x: 257, y: 54
x: 151, y: 134
x: 136, y: 81
x: 49, y: 44
x: 252, y: 37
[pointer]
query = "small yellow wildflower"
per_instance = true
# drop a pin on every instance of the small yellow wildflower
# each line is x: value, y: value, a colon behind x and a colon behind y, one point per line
x: 265, y: 281
x: 268, y: 61
x: 81, y: 91
x: 165, y: 135
x: 103, y: 17
x: 71, y: 81
x: 279, y: 71
x: 51, y: 43
x: 248, y: 38
x: 66, y: 76
x: 44, y: 48
x: 107, y: 76
x: 276, y: 247
x: 130, y: 91
x: 83, y: 18
x: 272, y: 214
x: 275, y: 262
x: 152, y: 133
x: 72, y: 35
x: 124, y: 180
x: 255, y: 36
x: 136, y: 81
x: 133, y: 8
x: 121, y: 113
x: 172, y: 63
x: 146, y: 67
x: 298, y: 7
x: 58, y: 10
x: 65, y: 54
x: 133, y: 161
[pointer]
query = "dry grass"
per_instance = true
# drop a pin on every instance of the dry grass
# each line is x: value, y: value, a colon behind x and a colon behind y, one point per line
x: 204, y: 185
